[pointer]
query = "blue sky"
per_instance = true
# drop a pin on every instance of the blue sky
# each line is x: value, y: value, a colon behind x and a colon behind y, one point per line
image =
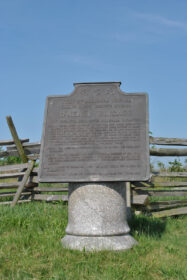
x: 46, y: 46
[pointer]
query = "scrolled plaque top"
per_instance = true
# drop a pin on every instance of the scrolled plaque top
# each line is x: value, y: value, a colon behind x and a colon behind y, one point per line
x: 97, y: 133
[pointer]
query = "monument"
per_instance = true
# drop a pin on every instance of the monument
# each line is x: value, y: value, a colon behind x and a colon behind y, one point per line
x: 96, y: 139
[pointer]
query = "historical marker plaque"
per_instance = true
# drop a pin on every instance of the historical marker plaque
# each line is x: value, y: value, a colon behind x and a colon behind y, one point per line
x: 97, y: 133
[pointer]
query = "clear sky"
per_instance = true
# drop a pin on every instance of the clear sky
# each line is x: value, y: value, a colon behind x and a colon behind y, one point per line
x: 46, y: 46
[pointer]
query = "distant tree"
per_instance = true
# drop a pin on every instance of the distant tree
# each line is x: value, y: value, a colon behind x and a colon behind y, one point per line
x: 176, y: 166
x: 161, y: 166
x: 13, y: 160
x: 9, y: 160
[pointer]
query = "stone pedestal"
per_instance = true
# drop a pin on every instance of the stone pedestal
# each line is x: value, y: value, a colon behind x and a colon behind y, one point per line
x: 97, y: 217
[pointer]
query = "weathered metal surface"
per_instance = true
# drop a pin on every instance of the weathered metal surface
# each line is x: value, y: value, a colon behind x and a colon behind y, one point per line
x: 97, y: 133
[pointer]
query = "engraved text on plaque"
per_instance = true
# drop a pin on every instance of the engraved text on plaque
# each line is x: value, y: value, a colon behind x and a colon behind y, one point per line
x: 97, y: 133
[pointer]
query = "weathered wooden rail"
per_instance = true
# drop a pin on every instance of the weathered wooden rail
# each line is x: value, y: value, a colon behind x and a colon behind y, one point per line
x: 170, y: 188
x: 141, y: 192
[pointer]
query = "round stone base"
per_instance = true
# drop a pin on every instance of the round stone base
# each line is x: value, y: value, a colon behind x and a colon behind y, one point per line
x: 98, y: 243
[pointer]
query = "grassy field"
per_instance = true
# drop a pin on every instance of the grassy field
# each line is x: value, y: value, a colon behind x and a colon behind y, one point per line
x: 30, y: 248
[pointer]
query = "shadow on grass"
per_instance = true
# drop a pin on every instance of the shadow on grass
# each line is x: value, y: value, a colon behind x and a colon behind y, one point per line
x: 147, y: 225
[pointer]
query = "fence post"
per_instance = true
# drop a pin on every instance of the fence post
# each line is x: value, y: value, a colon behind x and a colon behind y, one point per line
x: 128, y: 200
x: 23, y: 182
x: 16, y: 139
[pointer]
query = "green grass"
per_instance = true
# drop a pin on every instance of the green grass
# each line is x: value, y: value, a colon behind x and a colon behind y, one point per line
x: 30, y: 248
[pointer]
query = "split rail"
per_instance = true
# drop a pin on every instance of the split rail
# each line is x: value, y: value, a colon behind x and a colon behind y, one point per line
x: 165, y: 194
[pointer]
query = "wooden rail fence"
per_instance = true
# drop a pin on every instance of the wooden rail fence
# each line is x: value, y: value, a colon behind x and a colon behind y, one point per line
x: 19, y: 183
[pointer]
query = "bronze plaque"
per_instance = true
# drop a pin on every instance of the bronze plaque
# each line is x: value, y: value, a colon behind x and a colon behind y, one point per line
x: 97, y: 133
